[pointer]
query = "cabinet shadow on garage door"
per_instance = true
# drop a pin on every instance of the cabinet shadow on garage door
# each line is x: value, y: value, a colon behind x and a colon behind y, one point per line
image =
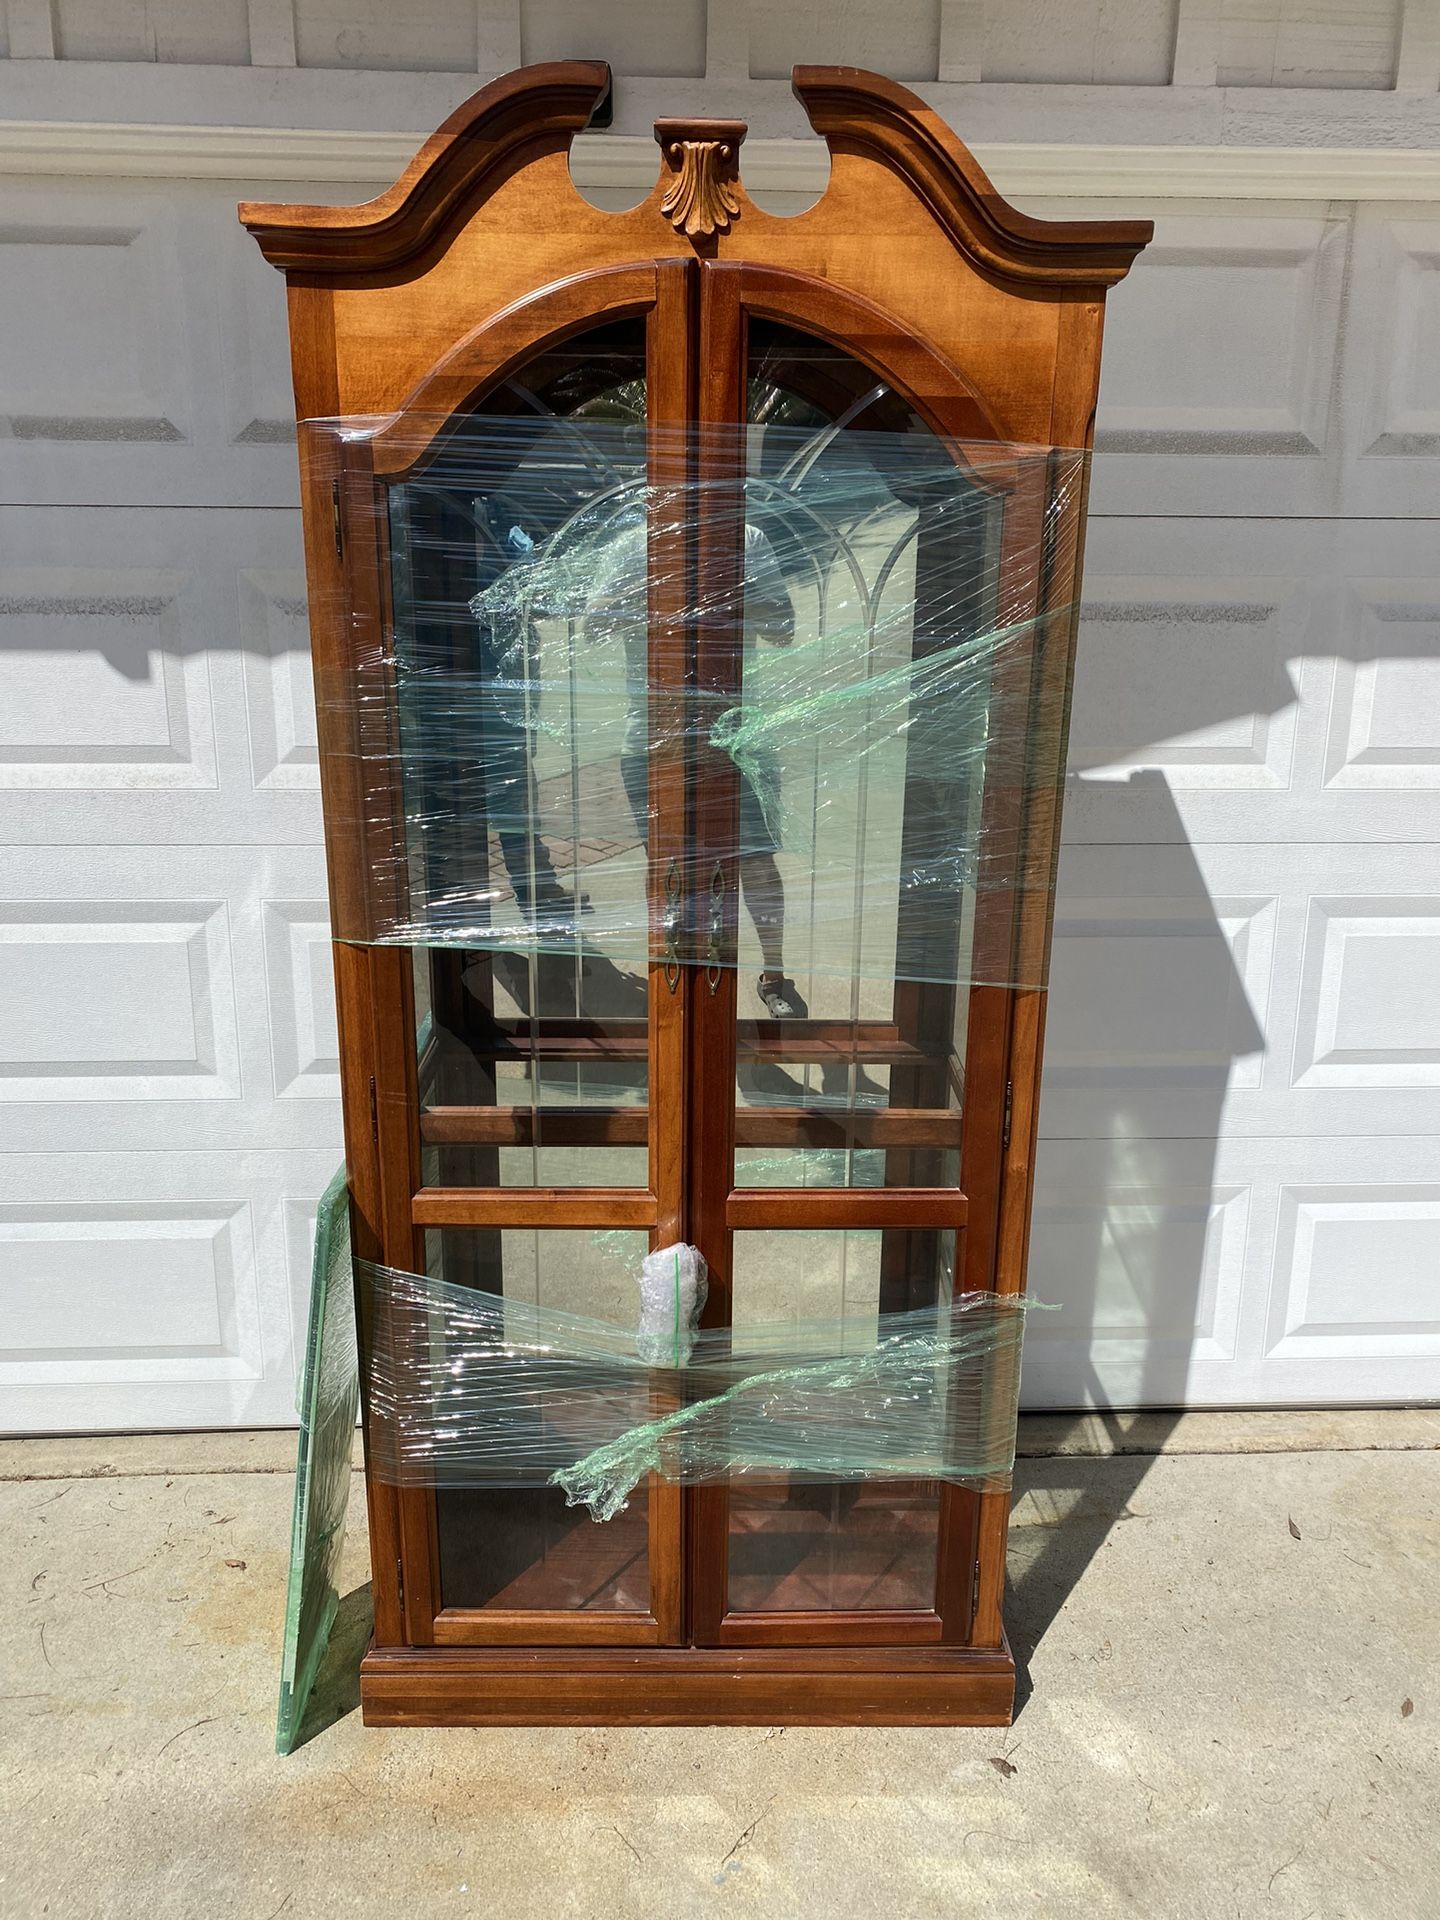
x: 1150, y: 1026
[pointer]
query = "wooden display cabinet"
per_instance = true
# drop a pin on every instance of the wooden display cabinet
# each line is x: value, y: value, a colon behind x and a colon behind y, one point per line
x: 546, y: 1109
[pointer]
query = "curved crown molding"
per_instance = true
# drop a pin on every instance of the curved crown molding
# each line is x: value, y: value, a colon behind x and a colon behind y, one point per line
x: 533, y: 108
x: 540, y: 109
x: 865, y: 113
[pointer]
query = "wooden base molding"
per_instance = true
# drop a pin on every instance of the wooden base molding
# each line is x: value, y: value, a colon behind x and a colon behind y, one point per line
x: 687, y: 1687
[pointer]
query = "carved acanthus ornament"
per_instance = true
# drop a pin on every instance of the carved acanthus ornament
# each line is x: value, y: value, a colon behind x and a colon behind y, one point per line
x: 700, y: 199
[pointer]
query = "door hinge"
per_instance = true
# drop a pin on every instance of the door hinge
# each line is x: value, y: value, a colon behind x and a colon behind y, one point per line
x: 400, y: 1585
x: 374, y: 1113
x: 337, y: 522
x: 1005, y: 1132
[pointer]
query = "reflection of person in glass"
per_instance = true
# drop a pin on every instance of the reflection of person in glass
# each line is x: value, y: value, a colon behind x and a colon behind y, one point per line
x: 769, y: 616
x: 594, y: 567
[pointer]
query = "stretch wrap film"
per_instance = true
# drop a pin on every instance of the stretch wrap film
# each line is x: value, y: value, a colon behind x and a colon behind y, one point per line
x: 468, y: 1389
x: 594, y: 669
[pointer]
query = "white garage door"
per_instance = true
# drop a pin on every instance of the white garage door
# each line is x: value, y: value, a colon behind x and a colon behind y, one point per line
x: 168, y: 1085
x: 1239, y: 1196
x: 1239, y: 1193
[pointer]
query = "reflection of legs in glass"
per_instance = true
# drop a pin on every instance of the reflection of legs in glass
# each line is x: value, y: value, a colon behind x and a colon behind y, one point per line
x: 509, y: 655
x: 764, y: 894
x: 634, y: 770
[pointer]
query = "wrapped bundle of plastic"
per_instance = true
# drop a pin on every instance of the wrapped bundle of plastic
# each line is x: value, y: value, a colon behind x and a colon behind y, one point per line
x: 673, y: 1285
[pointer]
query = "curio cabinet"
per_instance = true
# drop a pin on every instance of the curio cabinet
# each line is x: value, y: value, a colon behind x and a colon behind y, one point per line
x: 692, y: 603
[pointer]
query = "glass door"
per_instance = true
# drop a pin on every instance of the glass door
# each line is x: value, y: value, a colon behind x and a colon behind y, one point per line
x: 537, y: 808
x: 594, y: 580
x: 852, y: 1170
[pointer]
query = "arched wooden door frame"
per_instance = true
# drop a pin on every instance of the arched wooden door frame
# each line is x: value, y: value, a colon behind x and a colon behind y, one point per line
x: 372, y: 457
x: 696, y: 386
x: 733, y: 294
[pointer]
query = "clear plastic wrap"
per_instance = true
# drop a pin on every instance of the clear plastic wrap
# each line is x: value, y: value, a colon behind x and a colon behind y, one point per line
x: 594, y: 668
x: 469, y: 1389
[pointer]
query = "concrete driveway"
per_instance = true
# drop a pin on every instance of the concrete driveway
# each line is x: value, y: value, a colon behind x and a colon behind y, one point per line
x: 1230, y: 1707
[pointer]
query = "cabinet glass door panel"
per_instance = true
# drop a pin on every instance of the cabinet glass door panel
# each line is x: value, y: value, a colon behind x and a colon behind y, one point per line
x: 859, y: 633
x: 523, y: 760
x: 866, y: 552
x: 797, y: 1543
x: 523, y: 768
x: 852, y: 1547
x: 512, y: 1549
x: 520, y: 1548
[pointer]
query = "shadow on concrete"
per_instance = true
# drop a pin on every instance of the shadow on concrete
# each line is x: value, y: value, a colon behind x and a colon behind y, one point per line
x: 1065, y: 1508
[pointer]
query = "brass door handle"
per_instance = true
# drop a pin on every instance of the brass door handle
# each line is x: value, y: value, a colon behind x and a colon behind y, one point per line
x: 672, y: 922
